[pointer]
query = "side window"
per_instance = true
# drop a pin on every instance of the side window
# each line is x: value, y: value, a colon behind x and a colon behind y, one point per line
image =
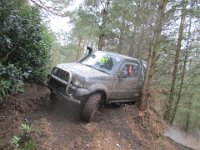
x: 130, y: 70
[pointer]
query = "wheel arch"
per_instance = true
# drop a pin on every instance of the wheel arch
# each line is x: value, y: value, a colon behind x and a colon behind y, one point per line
x: 103, y: 93
x: 99, y: 88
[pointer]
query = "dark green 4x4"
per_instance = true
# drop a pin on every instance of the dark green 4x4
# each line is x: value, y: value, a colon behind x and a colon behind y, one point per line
x: 98, y: 78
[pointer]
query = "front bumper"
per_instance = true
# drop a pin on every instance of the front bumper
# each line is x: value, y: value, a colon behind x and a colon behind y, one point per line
x: 65, y: 90
x: 64, y: 96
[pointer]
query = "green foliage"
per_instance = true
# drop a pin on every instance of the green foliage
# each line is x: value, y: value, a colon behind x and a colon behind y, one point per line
x: 15, y: 140
x: 24, y: 46
x: 4, y: 89
x: 24, y: 40
x: 24, y: 141
x: 10, y: 80
x: 26, y: 128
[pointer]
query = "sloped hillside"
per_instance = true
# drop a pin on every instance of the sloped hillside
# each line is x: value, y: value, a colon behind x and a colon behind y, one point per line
x: 113, y: 127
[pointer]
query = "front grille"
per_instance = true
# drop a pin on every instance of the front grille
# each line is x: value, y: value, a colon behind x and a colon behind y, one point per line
x: 59, y: 86
x: 62, y: 74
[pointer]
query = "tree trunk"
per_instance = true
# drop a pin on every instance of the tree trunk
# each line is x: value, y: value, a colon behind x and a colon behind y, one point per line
x: 168, y: 107
x: 121, y: 36
x: 188, y: 116
x: 143, y: 101
x: 119, y: 47
x: 101, y: 40
x: 153, y: 51
x: 141, y: 39
x: 78, y: 49
x: 173, y: 115
x: 132, y: 44
x: 103, y: 25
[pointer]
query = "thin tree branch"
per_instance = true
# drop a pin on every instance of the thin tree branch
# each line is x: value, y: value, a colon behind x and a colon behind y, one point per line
x: 7, y: 55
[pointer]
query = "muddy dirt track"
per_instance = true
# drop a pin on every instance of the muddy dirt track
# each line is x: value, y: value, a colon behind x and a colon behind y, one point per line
x: 113, y: 128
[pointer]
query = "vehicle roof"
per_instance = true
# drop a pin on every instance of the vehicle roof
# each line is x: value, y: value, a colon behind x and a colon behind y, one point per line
x: 119, y: 55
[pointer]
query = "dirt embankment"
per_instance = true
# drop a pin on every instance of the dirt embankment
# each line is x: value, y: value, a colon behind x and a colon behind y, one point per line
x: 113, y: 128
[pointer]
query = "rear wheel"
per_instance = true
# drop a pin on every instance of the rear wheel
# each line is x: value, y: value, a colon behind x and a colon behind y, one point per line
x: 91, y: 106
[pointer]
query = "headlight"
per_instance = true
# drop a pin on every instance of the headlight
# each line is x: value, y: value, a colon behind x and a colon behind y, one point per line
x: 78, y: 82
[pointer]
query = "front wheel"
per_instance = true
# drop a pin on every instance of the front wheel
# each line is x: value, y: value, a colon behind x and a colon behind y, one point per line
x: 91, y: 106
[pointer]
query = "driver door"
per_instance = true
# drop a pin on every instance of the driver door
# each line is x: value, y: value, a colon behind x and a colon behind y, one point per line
x: 126, y: 85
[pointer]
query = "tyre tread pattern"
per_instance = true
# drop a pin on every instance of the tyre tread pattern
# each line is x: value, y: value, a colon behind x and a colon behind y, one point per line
x: 91, y: 106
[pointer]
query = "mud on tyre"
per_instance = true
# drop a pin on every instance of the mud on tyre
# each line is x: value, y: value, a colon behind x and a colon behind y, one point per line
x: 91, y: 106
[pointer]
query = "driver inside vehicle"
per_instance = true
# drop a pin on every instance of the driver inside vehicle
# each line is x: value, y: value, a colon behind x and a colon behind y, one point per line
x: 129, y: 68
x: 128, y: 71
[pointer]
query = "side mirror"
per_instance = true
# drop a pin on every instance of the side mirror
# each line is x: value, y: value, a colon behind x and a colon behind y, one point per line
x: 123, y: 74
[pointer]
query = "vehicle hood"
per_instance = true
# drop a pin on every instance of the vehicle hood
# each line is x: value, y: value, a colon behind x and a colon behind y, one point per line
x: 82, y: 70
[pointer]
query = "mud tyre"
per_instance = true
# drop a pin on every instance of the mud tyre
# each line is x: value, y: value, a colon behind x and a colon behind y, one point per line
x: 91, y: 106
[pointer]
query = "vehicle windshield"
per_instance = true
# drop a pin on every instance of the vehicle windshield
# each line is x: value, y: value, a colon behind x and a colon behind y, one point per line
x: 102, y: 61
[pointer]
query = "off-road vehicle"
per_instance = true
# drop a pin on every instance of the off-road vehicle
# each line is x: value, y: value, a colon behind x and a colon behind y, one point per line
x: 98, y: 78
